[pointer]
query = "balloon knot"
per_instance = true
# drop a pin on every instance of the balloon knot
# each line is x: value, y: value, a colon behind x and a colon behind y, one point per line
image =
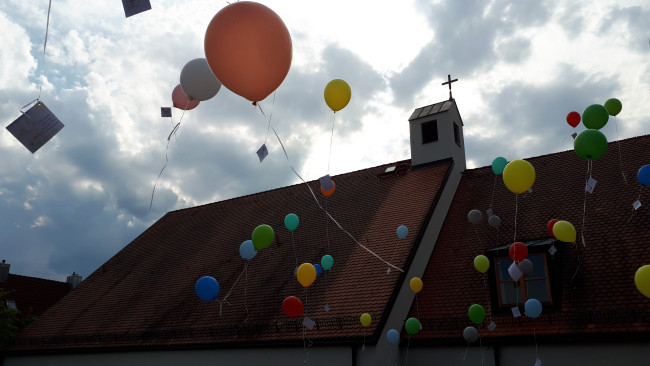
x: 255, y: 104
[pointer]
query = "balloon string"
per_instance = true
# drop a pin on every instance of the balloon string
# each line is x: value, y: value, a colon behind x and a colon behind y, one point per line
x: 294, y: 249
x: 390, y: 354
x: 245, y: 288
x: 620, y: 156
x: 634, y: 209
x: 579, y: 264
x: 47, y: 28
x: 494, y: 186
x: 516, y: 210
x: 327, y: 213
x: 535, y: 338
x: 268, y: 128
x: 487, y: 295
x: 477, y: 236
x: 417, y: 306
x: 225, y: 298
x: 584, y: 203
x: 169, y: 137
x: 331, y: 139
x: 480, y: 344
x: 408, y: 342
x: 466, y: 349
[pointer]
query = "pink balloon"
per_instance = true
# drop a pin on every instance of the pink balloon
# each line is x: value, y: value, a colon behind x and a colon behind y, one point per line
x: 181, y: 101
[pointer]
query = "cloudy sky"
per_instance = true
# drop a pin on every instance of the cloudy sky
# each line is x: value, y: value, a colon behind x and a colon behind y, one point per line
x: 522, y: 66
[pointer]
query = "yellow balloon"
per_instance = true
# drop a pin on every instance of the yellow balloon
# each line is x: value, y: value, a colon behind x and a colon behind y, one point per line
x: 306, y: 274
x: 642, y: 280
x: 416, y: 284
x: 564, y: 231
x: 366, y: 319
x: 337, y: 94
x: 519, y: 176
x: 481, y: 263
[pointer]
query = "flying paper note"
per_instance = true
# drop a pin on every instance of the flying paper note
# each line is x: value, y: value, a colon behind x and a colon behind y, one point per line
x: 165, y: 111
x: 326, y: 183
x: 133, y: 7
x: 262, y: 152
x: 35, y: 127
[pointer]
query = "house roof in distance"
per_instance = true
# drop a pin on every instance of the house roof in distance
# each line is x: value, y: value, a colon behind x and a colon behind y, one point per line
x: 33, y: 295
x: 144, y: 296
x: 596, y: 295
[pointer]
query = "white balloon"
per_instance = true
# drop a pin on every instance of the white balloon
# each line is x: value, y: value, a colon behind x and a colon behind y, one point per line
x: 494, y: 221
x: 474, y: 216
x: 198, y: 81
x: 470, y: 334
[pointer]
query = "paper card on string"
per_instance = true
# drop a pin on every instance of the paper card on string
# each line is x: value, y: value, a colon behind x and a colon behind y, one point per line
x: 591, y: 184
x: 574, y: 135
x: 538, y: 362
x: 262, y: 152
x: 552, y: 250
x: 636, y: 204
x: 326, y: 183
x: 492, y: 326
x: 514, y: 272
x: 165, y: 111
x: 515, y: 312
x: 327, y: 308
x: 35, y: 127
x: 489, y: 212
x: 308, y: 323
x: 133, y: 7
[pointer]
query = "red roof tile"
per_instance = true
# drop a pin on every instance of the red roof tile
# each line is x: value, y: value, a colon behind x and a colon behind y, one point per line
x: 601, y: 298
x: 144, y: 295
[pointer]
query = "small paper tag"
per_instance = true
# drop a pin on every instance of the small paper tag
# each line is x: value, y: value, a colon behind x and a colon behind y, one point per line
x: 262, y: 152
x: 308, y: 323
x: 35, y: 127
x: 515, y: 312
x: 327, y: 308
x: 388, y: 270
x: 538, y: 362
x: 514, y: 272
x: 165, y: 111
x: 574, y: 135
x: 636, y: 205
x: 326, y: 183
x: 591, y: 184
x: 133, y: 7
x: 530, y: 190
x: 552, y: 250
x: 489, y: 212
x: 492, y: 326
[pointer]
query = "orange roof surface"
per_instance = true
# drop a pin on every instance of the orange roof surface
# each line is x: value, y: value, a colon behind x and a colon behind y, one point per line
x: 597, y: 294
x: 144, y: 296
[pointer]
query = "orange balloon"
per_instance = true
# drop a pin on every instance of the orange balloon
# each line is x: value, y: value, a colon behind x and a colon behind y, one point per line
x: 249, y: 49
x: 330, y: 192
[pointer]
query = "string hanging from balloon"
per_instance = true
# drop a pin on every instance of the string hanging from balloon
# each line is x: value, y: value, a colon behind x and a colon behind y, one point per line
x: 225, y: 298
x: 47, y: 28
x: 321, y: 207
x: 584, y: 203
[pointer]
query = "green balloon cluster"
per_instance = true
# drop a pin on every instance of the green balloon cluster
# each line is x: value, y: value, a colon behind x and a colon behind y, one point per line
x: 590, y: 144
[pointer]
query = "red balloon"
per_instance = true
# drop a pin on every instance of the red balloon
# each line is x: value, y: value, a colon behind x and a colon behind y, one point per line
x: 181, y: 101
x: 292, y: 306
x: 248, y: 48
x: 518, y: 252
x: 573, y: 119
x: 549, y: 226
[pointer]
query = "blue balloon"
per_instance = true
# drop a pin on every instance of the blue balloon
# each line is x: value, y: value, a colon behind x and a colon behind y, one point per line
x: 533, y: 308
x: 644, y: 175
x: 207, y: 288
x: 393, y: 336
x: 402, y: 231
x: 247, y: 250
x: 319, y: 269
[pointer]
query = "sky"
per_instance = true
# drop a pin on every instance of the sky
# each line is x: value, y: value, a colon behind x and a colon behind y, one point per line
x: 521, y: 66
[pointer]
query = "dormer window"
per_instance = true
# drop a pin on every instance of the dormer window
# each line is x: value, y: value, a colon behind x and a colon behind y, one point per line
x: 429, y: 131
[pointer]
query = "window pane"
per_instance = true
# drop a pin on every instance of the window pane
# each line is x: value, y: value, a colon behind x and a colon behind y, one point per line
x: 538, y: 266
x: 510, y: 294
x: 503, y: 264
x: 537, y: 289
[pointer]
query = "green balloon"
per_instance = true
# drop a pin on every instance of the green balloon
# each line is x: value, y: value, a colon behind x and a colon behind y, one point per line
x: 590, y: 144
x: 499, y: 164
x: 595, y: 116
x: 613, y: 106
x: 476, y: 314
x: 326, y: 262
x: 412, y: 326
x: 291, y: 221
x: 262, y: 237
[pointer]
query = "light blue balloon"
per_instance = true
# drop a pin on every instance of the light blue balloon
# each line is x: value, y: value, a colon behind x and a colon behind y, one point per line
x: 247, y: 250
x: 207, y: 288
x: 291, y: 221
x: 327, y: 261
x: 402, y: 231
x: 319, y: 269
x: 533, y: 308
x: 393, y: 336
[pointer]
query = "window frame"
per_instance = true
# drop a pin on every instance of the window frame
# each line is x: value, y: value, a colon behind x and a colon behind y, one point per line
x: 522, y: 282
x: 429, y: 136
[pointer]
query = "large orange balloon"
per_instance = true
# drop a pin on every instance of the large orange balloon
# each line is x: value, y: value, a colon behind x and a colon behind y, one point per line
x: 249, y: 49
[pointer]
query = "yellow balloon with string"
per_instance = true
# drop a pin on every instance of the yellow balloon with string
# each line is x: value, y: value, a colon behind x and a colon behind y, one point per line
x: 337, y: 94
x: 518, y: 176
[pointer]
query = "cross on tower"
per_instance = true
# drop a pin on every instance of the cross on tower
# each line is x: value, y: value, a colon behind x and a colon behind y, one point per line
x: 449, y: 81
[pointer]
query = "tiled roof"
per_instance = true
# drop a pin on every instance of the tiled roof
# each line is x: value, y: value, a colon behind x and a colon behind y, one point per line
x: 33, y: 295
x: 144, y: 296
x: 598, y: 294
